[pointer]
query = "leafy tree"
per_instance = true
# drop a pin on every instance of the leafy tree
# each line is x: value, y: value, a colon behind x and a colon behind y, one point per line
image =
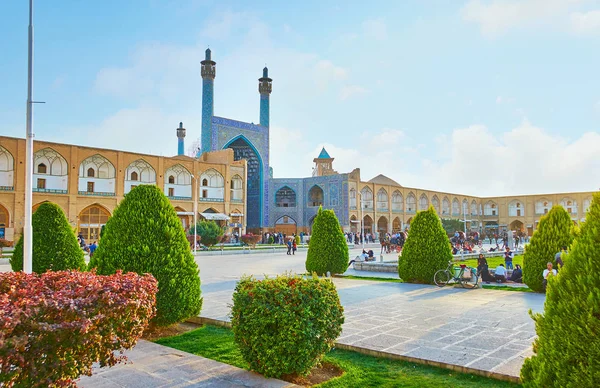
x: 328, y: 251
x: 210, y: 233
x: 427, y: 249
x: 54, y: 244
x: 567, y: 350
x: 451, y: 225
x: 144, y: 235
x: 554, y: 231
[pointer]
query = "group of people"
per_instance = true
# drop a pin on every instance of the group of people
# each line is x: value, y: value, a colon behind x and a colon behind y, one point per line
x: 501, y: 271
x: 90, y: 249
x: 364, y: 256
x: 291, y: 245
x: 357, y: 238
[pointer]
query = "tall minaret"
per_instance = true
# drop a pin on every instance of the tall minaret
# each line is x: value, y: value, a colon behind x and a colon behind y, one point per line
x: 264, y: 88
x: 180, y: 140
x: 208, y: 72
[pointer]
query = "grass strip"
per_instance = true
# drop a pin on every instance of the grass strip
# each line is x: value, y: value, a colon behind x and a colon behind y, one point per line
x: 493, y: 262
x: 360, y: 370
x: 506, y: 288
x: 393, y: 280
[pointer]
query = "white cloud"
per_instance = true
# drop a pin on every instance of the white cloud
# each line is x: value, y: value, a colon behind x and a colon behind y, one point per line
x: 220, y: 27
x: 586, y: 22
x: 350, y: 91
x: 504, y: 100
x: 375, y: 29
x: 326, y: 69
x: 496, y: 17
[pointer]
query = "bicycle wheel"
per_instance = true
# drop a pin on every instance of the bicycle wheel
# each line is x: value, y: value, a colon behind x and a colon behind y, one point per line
x: 441, y: 278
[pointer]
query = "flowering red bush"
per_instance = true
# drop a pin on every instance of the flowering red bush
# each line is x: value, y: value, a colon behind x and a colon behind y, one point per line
x: 250, y: 239
x: 54, y: 326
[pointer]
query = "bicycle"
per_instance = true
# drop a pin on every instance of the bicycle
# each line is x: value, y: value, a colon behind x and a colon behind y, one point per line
x: 466, y: 277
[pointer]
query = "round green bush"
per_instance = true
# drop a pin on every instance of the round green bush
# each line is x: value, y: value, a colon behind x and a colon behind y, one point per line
x: 210, y: 233
x: 554, y: 231
x: 427, y: 249
x: 567, y: 350
x: 285, y: 325
x: 144, y: 235
x: 328, y: 250
x: 54, y: 244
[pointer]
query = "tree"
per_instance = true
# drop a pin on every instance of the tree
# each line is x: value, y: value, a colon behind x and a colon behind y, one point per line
x: 567, y: 350
x: 210, y: 233
x: 54, y: 244
x: 427, y: 249
x: 328, y: 251
x: 144, y: 235
x: 554, y: 231
x: 451, y: 225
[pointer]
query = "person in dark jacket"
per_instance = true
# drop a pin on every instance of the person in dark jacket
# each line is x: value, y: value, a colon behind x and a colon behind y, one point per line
x: 517, y: 274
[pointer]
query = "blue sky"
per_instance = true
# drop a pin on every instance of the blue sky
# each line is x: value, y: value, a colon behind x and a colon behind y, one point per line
x: 475, y: 96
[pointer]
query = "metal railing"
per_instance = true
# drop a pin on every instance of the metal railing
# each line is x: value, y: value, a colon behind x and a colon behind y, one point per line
x: 49, y: 191
x: 96, y: 193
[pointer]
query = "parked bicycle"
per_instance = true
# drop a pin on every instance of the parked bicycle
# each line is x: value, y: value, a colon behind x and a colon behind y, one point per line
x: 465, y: 276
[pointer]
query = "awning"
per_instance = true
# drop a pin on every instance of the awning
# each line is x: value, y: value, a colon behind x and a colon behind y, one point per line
x: 185, y: 213
x: 215, y: 216
x: 236, y: 215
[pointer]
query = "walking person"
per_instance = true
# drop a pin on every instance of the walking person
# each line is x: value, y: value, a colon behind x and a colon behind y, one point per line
x: 294, y: 247
x: 289, y: 246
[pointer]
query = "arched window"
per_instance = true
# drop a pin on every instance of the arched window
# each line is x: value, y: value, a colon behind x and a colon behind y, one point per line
x: 172, y: 181
x: 315, y: 196
x: 490, y: 209
x: 179, y: 175
x: 236, y: 188
x: 353, y: 198
x: 54, y: 163
x: 144, y: 172
x: 436, y: 203
x: 423, y: 202
x: 473, y: 208
x: 134, y: 176
x: 543, y: 206
x: 41, y: 168
x: 91, y: 172
x: 91, y: 220
x: 382, y: 200
x: 285, y: 197
x: 397, y: 201
x: 570, y: 205
x: 455, y: 207
x: 7, y: 168
x: 445, y: 206
x: 516, y: 209
x: 586, y: 205
x: 212, y: 178
x: 366, y: 197
x: 411, y: 203
x: 465, y: 207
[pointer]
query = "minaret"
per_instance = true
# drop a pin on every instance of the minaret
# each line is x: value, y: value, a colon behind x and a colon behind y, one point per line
x: 180, y: 140
x: 323, y: 164
x: 208, y: 72
x: 264, y: 88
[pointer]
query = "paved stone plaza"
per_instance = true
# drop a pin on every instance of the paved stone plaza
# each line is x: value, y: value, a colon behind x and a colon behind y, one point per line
x: 155, y: 365
x: 483, y: 329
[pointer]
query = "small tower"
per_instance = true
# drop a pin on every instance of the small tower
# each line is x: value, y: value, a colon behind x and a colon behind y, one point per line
x: 208, y: 72
x: 323, y: 164
x: 264, y: 88
x: 180, y: 139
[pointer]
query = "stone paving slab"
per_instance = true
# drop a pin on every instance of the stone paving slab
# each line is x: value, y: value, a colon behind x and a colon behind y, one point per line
x: 489, y: 330
x: 152, y: 365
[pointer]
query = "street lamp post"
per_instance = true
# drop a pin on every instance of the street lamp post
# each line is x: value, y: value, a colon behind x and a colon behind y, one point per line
x: 362, y: 222
x: 27, y: 228
x: 196, y: 194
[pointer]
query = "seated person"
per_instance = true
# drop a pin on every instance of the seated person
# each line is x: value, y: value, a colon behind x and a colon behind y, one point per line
x: 360, y: 258
x: 371, y: 256
x: 517, y: 275
x: 547, y: 273
x: 485, y: 274
x: 500, y: 274
x: 481, y: 261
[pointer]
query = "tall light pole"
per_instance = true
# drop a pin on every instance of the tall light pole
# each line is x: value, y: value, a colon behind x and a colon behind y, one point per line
x: 362, y: 222
x: 197, y: 190
x: 27, y: 228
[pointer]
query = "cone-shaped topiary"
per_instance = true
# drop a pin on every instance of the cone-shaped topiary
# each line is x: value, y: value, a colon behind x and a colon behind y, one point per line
x: 553, y: 232
x: 567, y: 350
x: 144, y: 235
x: 328, y: 251
x: 54, y: 244
x: 427, y: 249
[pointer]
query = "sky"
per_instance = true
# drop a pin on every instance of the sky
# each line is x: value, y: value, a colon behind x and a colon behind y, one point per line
x: 481, y: 97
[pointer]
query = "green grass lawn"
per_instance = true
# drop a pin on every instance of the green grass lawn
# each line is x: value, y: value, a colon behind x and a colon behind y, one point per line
x: 360, y: 370
x: 506, y: 288
x: 493, y: 262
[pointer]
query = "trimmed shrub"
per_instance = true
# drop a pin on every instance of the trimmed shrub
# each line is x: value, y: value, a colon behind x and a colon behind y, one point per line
x: 427, y: 249
x: 54, y: 244
x: 287, y: 324
x: 144, y: 235
x: 554, y: 231
x: 210, y: 233
x: 328, y: 251
x: 251, y: 239
x: 567, y: 350
x: 54, y: 326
